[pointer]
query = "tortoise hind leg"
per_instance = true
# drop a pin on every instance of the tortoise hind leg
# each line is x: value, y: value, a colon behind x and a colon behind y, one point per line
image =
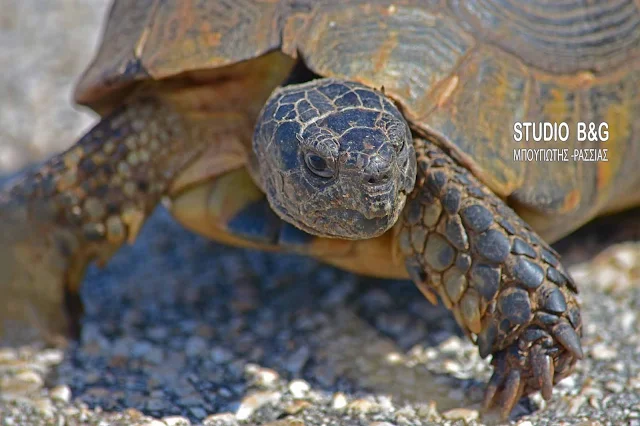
x: 505, y: 286
x: 81, y: 206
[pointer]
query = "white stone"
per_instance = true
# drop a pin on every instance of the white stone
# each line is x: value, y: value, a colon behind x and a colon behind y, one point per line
x: 339, y: 401
x: 299, y: 388
x: 61, y: 393
x: 176, y: 421
x: 254, y: 401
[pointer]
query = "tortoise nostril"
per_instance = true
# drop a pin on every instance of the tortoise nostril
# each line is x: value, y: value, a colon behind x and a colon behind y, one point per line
x: 378, y: 179
x: 378, y: 170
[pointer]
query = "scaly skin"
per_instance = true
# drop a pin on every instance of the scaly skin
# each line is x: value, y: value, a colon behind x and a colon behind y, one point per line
x: 81, y: 206
x: 505, y: 286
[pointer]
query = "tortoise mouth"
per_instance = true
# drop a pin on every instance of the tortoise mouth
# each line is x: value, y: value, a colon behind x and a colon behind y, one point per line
x: 350, y: 224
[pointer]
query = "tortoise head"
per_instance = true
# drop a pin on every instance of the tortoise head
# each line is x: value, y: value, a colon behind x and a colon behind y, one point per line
x: 335, y: 158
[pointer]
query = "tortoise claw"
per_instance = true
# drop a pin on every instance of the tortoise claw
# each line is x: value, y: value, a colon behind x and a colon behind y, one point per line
x: 507, y: 384
x: 568, y: 338
x: 519, y: 372
x: 496, y: 380
x: 513, y: 388
x: 542, y: 366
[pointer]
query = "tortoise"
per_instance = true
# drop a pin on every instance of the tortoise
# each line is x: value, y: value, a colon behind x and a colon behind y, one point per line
x: 374, y: 135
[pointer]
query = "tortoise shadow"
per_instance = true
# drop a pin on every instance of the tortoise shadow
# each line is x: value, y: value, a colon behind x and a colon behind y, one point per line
x: 178, y: 316
x: 173, y: 321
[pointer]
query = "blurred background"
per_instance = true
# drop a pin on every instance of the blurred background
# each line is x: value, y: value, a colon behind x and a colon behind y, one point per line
x: 45, y: 45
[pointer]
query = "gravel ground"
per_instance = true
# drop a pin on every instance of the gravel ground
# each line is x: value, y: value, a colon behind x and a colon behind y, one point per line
x: 180, y: 330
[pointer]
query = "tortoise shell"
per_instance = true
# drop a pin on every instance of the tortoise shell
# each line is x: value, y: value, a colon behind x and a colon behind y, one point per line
x: 463, y: 74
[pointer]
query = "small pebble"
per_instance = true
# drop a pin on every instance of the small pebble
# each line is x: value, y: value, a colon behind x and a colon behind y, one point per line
x: 50, y: 357
x: 8, y: 354
x: 603, y: 352
x: 452, y: 345
x: 22, y: 383
x: 634, y: 382
x: 198, y: 412
x: 625, y: 257
x: 339, y: 401
x: 154, y: 422
x: 254, y: 401
x: 362, y: 406
x: 220, y: 355
x: 264, y: 377
x: 406, y: 411
x: 286, y: 422
x: 61, y: 393
x: 614, y: 387
x: 195, y: 346
x: 176, y: 421
x: 463, y: 414
x: 299, y: 388
x: 45, y: 407
x: 618, y: 367
x: 155, y: 404
x: 158, y: 333
x: 221, y: 419
x: 451, y: 366
x: 575, y: 404
x: 297, y: 406
x: 428, y: 411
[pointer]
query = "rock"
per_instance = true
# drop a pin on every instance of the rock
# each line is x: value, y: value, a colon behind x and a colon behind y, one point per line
x: 428, y: 411
x: 195, y: 346
x: 362, y: 406
x: 339, y: 401
x: 451, y: 367
x: 159, y: 334
x: 60, y: 393
x: 603, y: 352
x: 299, y: 388
x: 614, y: 387
x: 198, y: 412
x: 21, y: 384
x: 155, y: 404
x: 297, y: 406
x: 176, y: 421
x: 575, y: 404
x: 406, y: 411
x: 264, y: 377
x: 463, y: 414
x: 50, y: 357
x: 220, y: 355
x: 625, y: 257
x: 154, y: 422
x: 286, y: 422
x: 254, y: 401
x: 452, y: 345
x: 45, y: 407
x: 7, y: 355
x: 221, y: 419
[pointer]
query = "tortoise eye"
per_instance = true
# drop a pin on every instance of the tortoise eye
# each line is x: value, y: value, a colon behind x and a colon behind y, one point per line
x: 318, y: 165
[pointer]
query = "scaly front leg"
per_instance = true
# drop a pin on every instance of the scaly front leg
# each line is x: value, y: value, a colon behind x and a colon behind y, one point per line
x: 505, y: 286
x: 81, y: 206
